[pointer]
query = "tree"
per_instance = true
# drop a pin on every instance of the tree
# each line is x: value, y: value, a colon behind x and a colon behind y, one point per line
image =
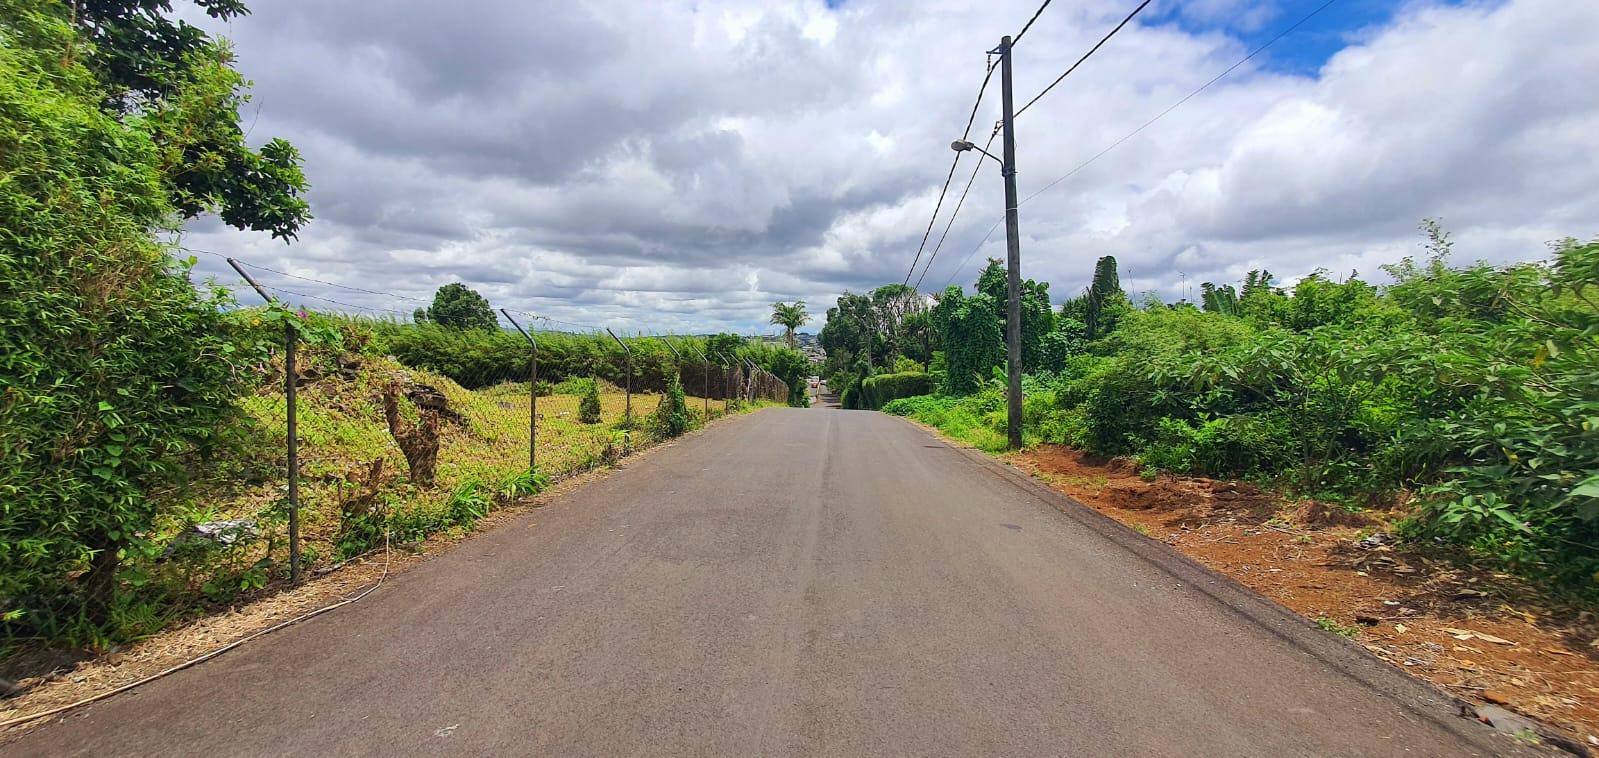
x: 723, y: 347
x: 1256, y: 282
x: 118, y: 376
x: 892, y: 304
x: 790, y: 316
x: 171, y: 77
x: 972, y: 342
x: 1223, y: 299
x: 458, y: 306
x: 848, y: 334
x: 1105, y: 301
x: 1037, y: 318
x: 918, y: 338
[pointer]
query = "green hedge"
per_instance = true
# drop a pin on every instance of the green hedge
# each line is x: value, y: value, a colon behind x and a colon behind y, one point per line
x: 878, y: 391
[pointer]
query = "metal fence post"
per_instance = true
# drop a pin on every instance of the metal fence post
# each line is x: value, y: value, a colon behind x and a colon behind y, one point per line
x: 290, y: 401
x: 533, y: 396
x: 675, y: 354
x: 707, y: 362
x: 627, y: 414
x: 727, y: 384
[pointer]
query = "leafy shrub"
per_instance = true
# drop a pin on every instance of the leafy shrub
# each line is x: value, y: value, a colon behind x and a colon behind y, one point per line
x: 877, y: 391
x: 977, y: 419
x: 578, y: 385
x: 1226, y: 446
x: 1475, y: 388
x: 904, y: 365
x: 117, y: 375
x: 973, y: 344
x: 671, y: 417
x: 588, y: 406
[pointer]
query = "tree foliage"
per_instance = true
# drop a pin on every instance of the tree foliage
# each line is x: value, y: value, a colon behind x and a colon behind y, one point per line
x: 973, y: 346
x: 170, y: 77
x: 458, y: 306
x: 790, y: 316
x: 1105, y: 302
x: 118, y: 376
x: 1473, y: 390
x: 1038, y: 320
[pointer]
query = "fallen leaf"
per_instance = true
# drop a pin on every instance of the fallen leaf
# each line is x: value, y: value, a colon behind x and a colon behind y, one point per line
x: 1493, y: 639
x: 1401, y: 628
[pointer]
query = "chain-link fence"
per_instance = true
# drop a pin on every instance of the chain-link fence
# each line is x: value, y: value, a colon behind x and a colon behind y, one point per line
x: 359, y: 422
x: 408, y: 429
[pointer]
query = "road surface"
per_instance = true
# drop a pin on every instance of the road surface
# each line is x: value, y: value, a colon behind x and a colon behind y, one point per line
x: 794, y: 582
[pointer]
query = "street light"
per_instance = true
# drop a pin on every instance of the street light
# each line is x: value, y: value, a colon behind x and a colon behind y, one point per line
x: 961, y: 146
x: 1013, y: 250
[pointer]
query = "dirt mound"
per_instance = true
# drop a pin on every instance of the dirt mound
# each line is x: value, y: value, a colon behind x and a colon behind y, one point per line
x: 1311, y: 513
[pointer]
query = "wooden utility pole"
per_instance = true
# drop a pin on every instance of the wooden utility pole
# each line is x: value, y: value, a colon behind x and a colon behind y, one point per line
x: 1013, y: 259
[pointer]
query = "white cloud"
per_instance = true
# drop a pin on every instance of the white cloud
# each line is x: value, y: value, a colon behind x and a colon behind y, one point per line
x: 680, y: 165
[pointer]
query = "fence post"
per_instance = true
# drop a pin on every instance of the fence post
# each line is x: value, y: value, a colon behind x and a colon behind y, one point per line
x: 675, y: 354
x: 533, y: 395
x: 727, y: 383
x: 628, y: 413
x: 290, y: 403
x: 707, y: 362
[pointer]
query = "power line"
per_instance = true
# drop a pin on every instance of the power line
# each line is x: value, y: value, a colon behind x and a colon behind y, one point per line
x: 1079, y: 62
x: 1174, y: 106
x: 1029, y: 24
x: 1186, y: 98
x: 975, y: 169
x: 379, y: 293
x: 934, y: 218
x: 330, y: 300
x: 981, y: 88
x: 260, y: 267
x: 969, y: 255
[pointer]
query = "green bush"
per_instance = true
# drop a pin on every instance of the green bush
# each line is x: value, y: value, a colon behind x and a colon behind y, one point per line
x: 877, y: 391
x: 977, y: 419
x: 117, y: 376
x: 671, y: 418
x: 588, y: 406
x: 1476, y: 389
x: 904, y: 365
x: 1227, y: 446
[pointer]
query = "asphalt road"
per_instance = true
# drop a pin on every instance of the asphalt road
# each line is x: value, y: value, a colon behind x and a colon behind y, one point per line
x: 793, y: 582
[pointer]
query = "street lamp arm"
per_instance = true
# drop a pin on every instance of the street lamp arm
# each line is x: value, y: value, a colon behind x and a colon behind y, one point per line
x: 961, y: 146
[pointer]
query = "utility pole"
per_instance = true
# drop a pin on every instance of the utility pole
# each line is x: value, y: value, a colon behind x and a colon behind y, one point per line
x: 1013, y: 260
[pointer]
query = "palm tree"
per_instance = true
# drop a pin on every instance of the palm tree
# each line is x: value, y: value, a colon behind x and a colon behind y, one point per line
x: 790, y: 316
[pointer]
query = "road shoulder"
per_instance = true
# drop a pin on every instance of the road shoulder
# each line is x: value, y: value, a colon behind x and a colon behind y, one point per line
x: 1416, y: 695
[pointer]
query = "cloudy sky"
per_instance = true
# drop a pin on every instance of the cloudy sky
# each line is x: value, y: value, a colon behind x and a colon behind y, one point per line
x: 677, y: 166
